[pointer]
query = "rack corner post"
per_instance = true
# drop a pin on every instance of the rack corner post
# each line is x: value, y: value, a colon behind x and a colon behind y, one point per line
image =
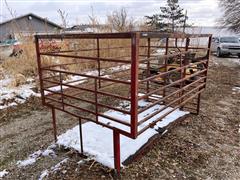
x: 116, y: 149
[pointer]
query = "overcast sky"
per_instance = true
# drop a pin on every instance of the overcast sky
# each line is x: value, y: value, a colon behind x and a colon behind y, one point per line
x: 200, y: 12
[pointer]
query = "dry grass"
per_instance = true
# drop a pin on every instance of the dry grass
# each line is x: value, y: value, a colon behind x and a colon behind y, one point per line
x: 24, y: 64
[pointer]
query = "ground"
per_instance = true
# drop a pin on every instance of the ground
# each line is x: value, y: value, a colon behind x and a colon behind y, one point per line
x: 206, y: 146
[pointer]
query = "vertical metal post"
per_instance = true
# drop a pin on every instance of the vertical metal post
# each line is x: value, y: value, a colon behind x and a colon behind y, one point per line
x: 96, y: 98
x: 80, y: 135
x: 208, y: 56
x: 134, y: 83
x: 54, y: 124
x: 61, y: 88
x: 182, y: 84
x: 165, y: 65
x: 176, y: 42
x: 148, y: 64
x: 185, y: 62
x: 205, y: 80
x: 116, y: 149
x: 98, y: 61
x: 39, y: 69
x: 198, y: 103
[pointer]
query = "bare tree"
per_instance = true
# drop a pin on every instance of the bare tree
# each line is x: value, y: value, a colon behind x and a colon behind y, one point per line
x: 10, y: 10
x: 63, y: 16
x: 93, y: 20
x: 231, y: 15
x: 119, y: 21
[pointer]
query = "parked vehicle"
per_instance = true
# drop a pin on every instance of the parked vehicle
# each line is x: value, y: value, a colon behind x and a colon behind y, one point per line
x: 226, y: 46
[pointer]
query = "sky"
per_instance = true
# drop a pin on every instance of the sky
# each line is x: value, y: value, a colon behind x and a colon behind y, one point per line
x: 200, y: 12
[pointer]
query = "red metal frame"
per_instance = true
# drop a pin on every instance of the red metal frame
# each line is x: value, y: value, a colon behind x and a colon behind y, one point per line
x: 142, y: 45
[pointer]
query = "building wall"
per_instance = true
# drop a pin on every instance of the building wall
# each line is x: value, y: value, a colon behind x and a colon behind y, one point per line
x: 25, y: 25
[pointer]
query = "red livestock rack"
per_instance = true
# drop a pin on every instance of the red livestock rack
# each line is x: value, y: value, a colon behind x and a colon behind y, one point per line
x: 92, y: 73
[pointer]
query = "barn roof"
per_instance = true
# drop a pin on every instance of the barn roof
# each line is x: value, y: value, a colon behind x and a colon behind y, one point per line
x: 33, y: 15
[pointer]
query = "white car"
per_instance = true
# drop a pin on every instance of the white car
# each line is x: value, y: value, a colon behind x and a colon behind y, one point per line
x: 226, y: 46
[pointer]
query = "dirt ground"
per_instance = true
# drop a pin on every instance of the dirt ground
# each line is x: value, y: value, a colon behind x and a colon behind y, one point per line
x: 206, y: 146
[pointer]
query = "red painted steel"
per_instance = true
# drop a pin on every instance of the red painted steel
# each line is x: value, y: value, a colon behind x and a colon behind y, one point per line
x: 116, y: 149
x: 144, y: 76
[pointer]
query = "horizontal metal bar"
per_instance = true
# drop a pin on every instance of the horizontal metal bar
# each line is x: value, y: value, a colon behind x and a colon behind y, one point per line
x: 163, y: 47
x: 85, y: 57
x: 85, y: 36
x: 52, y: 99
x: 77, y: 98
x: 177, y: 69
x: 164, y: 56
x: 166, y: 106
x: 113, y: 108
x: 172, y: 84
x: 113, y: 95
x: 160, y: 118
x: 91, y: 120
x: 99, y: 92
x: 114, y: 119
x: 173, y: 93
x: 171, y: 35
x: 93, y: 49
x: 76, y: 107
x: 88, y: 76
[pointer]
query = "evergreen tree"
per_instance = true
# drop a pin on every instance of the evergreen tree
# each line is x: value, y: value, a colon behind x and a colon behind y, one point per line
x: 170, y: 17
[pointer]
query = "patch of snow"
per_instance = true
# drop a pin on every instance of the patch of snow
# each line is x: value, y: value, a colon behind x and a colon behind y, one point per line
x: 160, y: 52
x: 84, y: 160
x: 44, y: 174
x: 97, y: 140
x: 75, y: 80
x: 12, y: 96
x: 30, y: 160
x: 26, y: 162
x: 57, y: 167
x: 8, y: 105
x: 36, y: 155
x: 49, y: 152
x: 3, y: 173
x: 126, y: 117
x: 236, y: 90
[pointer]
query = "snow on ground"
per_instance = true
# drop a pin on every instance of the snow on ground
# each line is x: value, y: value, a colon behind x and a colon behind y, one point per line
x: 97, y: 140
x: 30, y: 160
x: 236, y: 90
x: 44, y: 174
x: 57, y: 167
x: 75, y: 80
x: 3, y: 173
x: 37, y: 155
x: 12, y: 96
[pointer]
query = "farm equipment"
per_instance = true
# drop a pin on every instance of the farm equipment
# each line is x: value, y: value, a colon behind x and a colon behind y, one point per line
x: 172, y: 64
x: 174, y: 80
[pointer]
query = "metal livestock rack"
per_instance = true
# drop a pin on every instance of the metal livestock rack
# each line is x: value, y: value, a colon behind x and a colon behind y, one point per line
x: 160, y: 68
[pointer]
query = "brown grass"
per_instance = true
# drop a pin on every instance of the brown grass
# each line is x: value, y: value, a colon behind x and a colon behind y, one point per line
x: 25, y: 64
